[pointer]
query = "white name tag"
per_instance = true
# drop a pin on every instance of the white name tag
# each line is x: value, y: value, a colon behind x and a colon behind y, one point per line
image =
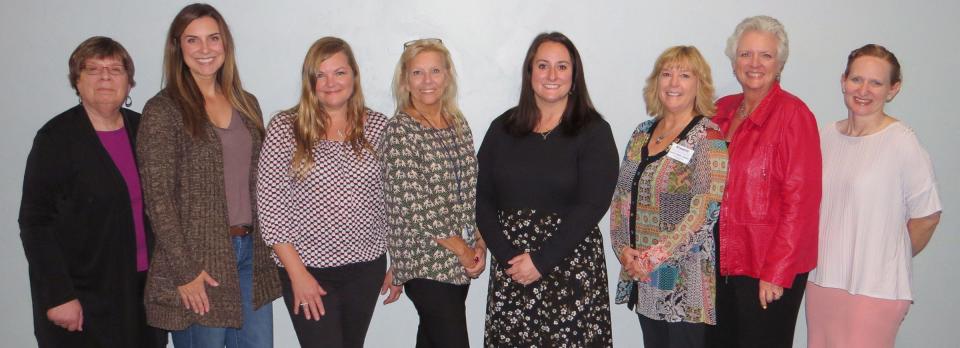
x: 680, y: 153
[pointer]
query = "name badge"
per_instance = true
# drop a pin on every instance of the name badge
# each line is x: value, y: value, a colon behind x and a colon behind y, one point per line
x: 680, y: 153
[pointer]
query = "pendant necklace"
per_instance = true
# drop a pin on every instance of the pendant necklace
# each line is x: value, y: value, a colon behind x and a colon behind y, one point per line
x: 547, y: 133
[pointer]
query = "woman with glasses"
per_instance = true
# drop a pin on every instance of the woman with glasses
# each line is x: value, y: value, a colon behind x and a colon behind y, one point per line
x: 430, y: 172
x: 81, y: 213
x: 320, y: 199
x: 212, y: 282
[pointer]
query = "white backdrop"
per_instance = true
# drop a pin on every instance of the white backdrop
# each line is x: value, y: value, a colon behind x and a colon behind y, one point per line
x: 618, y: 40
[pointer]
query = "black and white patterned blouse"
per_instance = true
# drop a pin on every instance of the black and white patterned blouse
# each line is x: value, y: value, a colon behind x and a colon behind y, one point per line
x: 431, y: 179
x: 335, y: 215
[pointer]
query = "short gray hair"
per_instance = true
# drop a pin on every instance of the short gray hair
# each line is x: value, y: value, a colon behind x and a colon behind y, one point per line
x: 763, y: 24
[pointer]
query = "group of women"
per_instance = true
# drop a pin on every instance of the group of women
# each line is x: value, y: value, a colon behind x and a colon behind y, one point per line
x: 194, y: 217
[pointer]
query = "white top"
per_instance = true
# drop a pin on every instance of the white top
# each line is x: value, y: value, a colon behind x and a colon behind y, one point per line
x: 871, y: 186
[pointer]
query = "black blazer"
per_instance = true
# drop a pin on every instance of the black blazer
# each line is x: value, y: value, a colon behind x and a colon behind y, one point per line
x: 77, y: 230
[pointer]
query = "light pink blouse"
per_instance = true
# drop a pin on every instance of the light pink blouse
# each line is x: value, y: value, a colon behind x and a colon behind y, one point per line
x: 871, y: 186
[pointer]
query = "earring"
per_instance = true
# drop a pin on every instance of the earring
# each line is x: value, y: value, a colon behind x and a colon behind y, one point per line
x: 79, y: 99
x: 128, y: 102
x: 843, y: 90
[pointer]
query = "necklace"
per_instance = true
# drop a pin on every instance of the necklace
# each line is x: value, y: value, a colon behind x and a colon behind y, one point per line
x: 547, y: 133
x: 446, y: 123
x: 659, y: 138
x: 742, y: 110
x: 341, y: 134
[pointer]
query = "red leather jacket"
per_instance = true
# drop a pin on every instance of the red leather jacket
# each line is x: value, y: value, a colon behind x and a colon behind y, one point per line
x: 771, y: 206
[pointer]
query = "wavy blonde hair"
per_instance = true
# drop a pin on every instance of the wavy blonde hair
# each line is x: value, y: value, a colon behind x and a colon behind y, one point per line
x: 312, y: 120
x: 684, y: 57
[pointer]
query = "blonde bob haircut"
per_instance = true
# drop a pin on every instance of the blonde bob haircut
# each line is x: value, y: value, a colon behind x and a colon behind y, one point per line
x: 448, y: 101
x: 684, y: 57
x: 312, y: 121
x: 765, y: 24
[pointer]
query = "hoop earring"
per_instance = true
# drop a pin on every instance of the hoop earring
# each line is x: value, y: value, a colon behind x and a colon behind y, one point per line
x: 128, y: 102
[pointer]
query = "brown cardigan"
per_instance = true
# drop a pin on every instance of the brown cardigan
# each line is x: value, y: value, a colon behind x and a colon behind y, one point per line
x: 183, y: 189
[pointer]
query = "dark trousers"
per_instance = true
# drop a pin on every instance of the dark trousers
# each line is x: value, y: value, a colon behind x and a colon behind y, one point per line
x: 121, y: 324
x: 741, y: 322
x: 442, y: 310
x: 352, y: 292
x: 662, y: 334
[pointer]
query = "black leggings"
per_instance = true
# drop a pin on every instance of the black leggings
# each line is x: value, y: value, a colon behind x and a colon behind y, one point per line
x: 352, y: 292
x: 442, y: 310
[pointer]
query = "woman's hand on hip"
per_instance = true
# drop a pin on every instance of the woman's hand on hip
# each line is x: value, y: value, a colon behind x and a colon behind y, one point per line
x: 194, y: 294
x: 307, y: 294
x: 68, y: 315
x: 769, y: 292
x: 522, y: 269
x: 395, y: 290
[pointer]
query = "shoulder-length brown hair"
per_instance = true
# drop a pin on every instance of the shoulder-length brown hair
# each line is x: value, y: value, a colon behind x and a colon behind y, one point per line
x: 312, y: 120
x: 181, y: 85
x: 579, y: 111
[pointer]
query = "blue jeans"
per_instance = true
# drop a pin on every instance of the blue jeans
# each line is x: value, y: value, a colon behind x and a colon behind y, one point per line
x: 257, y: 329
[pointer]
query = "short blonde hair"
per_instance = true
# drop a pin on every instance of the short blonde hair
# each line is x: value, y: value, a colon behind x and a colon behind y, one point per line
x: 762, y: 24
x: 686, y: 57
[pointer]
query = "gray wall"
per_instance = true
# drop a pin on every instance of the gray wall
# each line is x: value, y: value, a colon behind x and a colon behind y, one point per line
x: 619, y: 41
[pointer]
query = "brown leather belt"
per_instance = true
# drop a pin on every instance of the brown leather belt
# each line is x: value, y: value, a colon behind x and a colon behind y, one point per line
x: 239, y: 230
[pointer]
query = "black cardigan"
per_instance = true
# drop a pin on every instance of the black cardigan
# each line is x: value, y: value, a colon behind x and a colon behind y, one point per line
x: 77, y: 230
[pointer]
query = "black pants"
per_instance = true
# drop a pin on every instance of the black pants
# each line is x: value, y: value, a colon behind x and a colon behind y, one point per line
x: 121, y: 323
x: 442, y: 310
x: 661, y: 334
x: 352, y: 292
x: 741, y: 322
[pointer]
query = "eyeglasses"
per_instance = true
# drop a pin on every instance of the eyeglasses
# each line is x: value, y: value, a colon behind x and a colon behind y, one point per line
x: 428, y: 40
x: 113, y: 70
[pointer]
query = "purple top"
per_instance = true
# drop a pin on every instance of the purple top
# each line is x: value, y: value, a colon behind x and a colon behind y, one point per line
x: 118, y: 146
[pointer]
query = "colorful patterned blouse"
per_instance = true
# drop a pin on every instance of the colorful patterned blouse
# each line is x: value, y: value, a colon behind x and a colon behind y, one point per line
x: 430, y: 183
x: 666, y: 209
x: 335, y: 215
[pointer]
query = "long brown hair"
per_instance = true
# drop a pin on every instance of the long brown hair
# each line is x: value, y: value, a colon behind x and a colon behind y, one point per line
x: 181, y: 85
x: 312, y: 120
x: 579, y: 111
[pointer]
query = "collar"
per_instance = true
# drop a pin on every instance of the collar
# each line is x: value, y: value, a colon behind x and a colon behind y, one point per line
x: 761, y: 113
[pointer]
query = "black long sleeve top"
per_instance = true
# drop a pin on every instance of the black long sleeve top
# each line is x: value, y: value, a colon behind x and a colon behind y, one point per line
x: 570, y: 175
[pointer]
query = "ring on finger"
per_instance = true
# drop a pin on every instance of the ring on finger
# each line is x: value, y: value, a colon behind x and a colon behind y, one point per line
x: 303, y: 304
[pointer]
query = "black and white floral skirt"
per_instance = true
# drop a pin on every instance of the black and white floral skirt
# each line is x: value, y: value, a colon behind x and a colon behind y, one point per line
x: 568, y: 307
